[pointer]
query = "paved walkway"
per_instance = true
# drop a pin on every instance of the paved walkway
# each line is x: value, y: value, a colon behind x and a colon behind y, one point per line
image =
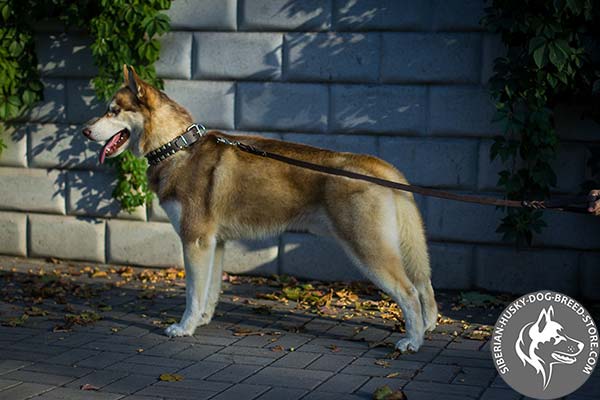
x: 83, y: 332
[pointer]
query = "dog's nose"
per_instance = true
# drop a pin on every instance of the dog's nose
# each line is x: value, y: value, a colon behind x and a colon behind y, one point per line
x: 86, y: 132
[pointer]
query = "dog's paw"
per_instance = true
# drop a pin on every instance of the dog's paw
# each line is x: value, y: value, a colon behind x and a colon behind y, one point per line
x: 408, y: 345
x: 176, y: 330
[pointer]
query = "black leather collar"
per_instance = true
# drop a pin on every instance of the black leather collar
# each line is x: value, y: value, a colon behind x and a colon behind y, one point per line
x: 191, y: 135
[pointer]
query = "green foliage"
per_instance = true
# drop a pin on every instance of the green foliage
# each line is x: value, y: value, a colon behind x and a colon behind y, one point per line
x: 124, y: 32
x: 547, y: 61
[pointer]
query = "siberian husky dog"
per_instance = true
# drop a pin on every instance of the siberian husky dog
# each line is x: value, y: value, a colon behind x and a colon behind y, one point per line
x: 213, y: 192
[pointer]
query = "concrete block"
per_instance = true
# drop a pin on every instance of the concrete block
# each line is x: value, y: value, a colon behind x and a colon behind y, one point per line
x: 211, y: 103
x: 143, y: 243
x: 433, y: 162
x: 345, y: 143
x: 569, y: 166
x: 83, y: 103
x: 434, y: 57
x: 15, y: 140
x: 571, y: 124
x: 457, y: 15
x: 25, y: 189
x: 505, y: 269
x: 90, y: 193
x: 451, y: 265
x: 282, y: 106
x: 577, y: 231
x: 465, y: 222
x: 400, y: 15
x: 175, y: 60
x: 284, y: 15
x: 13, y: 234
x: 254, y: 257
x: 314, y: 257
x: 332, y: 57
x: 378, y: 109
x: 62, y: 146
x: 53, y: 108
x: 211, y: 15
x: 493, y: 48
x: 590, y: 276
x: 247, y: 55
x: 62, y: 55
x: 461, y: 110
x: 66, y: 237
x: 156, y: 212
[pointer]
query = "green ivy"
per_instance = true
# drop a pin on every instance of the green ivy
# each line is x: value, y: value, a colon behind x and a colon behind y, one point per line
x: 547, y: 62
x: 124, y: 32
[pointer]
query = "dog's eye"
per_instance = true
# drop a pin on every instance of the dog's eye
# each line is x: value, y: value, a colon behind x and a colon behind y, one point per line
x: 115, y: 111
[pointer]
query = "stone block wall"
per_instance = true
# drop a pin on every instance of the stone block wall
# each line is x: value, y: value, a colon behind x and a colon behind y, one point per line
x: 401, y: 79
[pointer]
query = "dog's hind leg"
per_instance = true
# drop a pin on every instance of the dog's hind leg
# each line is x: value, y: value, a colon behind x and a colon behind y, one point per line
x: 199, y: 262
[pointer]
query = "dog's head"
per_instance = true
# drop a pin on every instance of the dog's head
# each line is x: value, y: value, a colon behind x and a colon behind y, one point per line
x: 544, y: 343
x: 139, y: 117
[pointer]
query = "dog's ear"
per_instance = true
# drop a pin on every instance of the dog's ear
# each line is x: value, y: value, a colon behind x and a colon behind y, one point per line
x: 544, y: 318
x: 133, y: 81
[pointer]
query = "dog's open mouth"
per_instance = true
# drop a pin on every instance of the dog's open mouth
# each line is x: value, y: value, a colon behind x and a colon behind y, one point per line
x: 563, y: 358
x: 115, y: 145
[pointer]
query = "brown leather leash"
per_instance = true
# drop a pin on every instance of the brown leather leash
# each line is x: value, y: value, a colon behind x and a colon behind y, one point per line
x: 565, y: 203
x: 195, y: 132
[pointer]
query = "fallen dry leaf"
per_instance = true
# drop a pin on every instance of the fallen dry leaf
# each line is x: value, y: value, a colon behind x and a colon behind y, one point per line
x: 87, y: 386
x: 170, y: 377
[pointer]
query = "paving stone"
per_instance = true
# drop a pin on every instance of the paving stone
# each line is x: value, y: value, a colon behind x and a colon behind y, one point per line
x: 65, y: 55
x: 102, y: 360
x: 289, y: 341
x: 418, y: 395
x: 282, y: 393
x: 75, y: 371
x: 474, y: 376
x: 255, y: 56
x: 76, y: 394
x: 342, y: 383
x: 28, y: 189
x: 296, y: 359
x: 463, y: 362
x: 11, y: 365
x: 329, y: 362
x: 71, y: 357
x: 13, y: 231
x: 330, y: 396
x: 132, y: 383
x: 7, y: 384
x: 14, y: 154
x: 300, y: 250
x: 400, y: 15
x: 251, y: 257
x: 335, y: 57
x: 143, y: 243
x: 97, y: 378
x: 437, y: 373
x: 213, y: 15
x: 38, y: 377
x: 186, y: 389
x: 48, y: 235
x: 214, y: 108
x: 442, y: 388
x: 203, y: 369
x: 373, y: 384
x: 457, y: 15
x: 433, y: 57
x: 500, y: 394
x: 175, y: 60
x: 367, y: 366
x: 234, y: 373
x: 282, y: 106
x: 167, y: 349
x: 378, y: 109
x: 267, y: 15
x: 289, y: 377
x: 24, y: 391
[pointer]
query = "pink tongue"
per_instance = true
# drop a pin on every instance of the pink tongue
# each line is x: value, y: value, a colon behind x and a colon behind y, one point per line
x: 108, y: 144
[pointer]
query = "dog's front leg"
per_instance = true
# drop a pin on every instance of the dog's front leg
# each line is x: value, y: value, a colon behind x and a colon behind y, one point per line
x: 199, y: 257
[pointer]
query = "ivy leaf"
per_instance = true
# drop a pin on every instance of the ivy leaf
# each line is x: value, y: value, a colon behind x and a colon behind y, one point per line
x: 539, y: 56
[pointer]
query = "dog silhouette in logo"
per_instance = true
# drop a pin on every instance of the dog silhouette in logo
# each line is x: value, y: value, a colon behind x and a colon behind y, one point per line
x: 543, y: 343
